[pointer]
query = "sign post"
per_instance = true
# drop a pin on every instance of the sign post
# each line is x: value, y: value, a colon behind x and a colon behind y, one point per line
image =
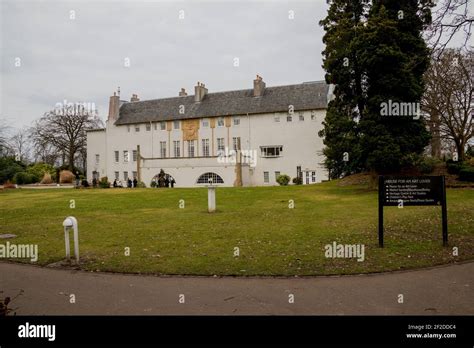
x: 412, y: 191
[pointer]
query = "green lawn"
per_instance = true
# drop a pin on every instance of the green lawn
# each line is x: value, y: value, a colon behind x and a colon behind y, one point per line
x: 273, y: 239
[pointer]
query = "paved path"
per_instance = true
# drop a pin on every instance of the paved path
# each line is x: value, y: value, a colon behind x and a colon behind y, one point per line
x: 443, y: 290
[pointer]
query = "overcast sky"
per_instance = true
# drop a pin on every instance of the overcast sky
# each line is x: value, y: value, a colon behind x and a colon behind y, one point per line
x: 77, y: 50
x: 83, y: 59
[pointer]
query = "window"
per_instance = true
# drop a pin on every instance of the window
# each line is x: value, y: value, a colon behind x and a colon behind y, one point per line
x: 277, y: 174
x: 190, y: 148
x: 236, y: 121
x: 176, y: 124
x: 205, y: 123
x: 97, y: 159
x: 125, y: 156
x: 204, y: 178
x: 117, y: 175
x: 125, y: 176
x: 313, y: 176
x: 276, y: 118
x: 271, y: 151
x: 235, y: 143
x: 137, y: 128
x: 135, y: 175
x: 128, y: 129
x: 307, y: 177
x: 163, y: 125
x: 155, y: 126
x: 220, y: 122
x: 148, y: 127
x: 134, y: 155
x: 163, y: 149
x: 301, y: 116
x: 266, y: 177
x: 205, y: 147
x: 289, y: 118
x: 313, y: 116
x: 116, y: 156
x: 220, y: 145
x: 299, y: 173
x: 177, y: 148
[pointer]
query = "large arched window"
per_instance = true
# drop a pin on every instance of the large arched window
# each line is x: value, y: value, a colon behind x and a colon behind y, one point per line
x: 204, y: 178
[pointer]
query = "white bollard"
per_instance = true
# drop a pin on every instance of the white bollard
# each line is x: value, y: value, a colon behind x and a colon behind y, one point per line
x: 68, y: 223
x: 211, y: 197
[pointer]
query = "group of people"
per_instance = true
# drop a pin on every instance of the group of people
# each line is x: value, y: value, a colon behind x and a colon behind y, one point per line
x: 164, y: 180
x: 130, y: 183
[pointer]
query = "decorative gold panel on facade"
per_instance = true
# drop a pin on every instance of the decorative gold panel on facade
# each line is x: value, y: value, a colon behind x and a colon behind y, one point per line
x: 190, y: 129
x: 227, y: 121
x: 212, y: 122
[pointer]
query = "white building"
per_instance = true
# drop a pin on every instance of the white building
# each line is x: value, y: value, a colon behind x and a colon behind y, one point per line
x: 192, y: 138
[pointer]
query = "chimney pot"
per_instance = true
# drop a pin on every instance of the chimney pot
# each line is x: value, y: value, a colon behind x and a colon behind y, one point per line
x: 183, y: 93
x: 199, y: 92
x: 258, y: 86
x: 114, y: 106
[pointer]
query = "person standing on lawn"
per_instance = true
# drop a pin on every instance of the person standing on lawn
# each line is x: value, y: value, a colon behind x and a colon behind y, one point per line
x: 77, y: 179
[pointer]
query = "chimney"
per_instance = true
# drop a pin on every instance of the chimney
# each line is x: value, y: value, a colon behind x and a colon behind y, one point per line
x: 134, y: 98
x: 114, y: 106
x: 199, y: 92
x: 183, y: 93
x: 258, y: 86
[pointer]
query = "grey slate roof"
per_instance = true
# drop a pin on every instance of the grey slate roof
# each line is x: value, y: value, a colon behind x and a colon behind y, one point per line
x: 305, y: 96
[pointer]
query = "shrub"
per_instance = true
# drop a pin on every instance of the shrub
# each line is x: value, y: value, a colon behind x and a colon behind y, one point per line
x: 40, y: 169
x: 104, y: 182
x: 141, y: 184
x: 46, y: 179
x: 466, y: 174
x: 283, y: 179
x: 23, y: 178
x: 153, y: 183
x: 9, y: 185
x: 297, y: 181
x: 8, y: 168
x: 426, y: 165
x: 74, y: 169
x: 85, y: 183
x: 453, y: 167
x: 66, y: 176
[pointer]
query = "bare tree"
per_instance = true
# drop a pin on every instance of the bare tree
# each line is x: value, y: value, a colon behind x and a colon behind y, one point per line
x: 451, y: 18
x: 44, y: 152
x: 4, y: 146
x: 20, y: 144
x: 449, y: 98
x: 65, y: 129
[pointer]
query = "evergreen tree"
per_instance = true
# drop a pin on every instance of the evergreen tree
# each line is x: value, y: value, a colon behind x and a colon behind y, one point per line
x: 342, y: 25
x: 394, y: 58
x: 374, y: 54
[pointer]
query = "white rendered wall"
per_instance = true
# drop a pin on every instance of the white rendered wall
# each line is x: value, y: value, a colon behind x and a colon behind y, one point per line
x: 301, y: 147
x: 96, y: 144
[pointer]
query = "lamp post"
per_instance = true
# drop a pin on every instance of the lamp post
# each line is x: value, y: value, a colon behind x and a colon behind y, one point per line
x: 68, y: 223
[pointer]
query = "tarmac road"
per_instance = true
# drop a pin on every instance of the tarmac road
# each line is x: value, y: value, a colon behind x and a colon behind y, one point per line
x: 442, y: 290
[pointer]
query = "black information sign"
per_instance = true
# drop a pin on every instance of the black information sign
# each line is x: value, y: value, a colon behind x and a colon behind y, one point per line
x: 412, y: 190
